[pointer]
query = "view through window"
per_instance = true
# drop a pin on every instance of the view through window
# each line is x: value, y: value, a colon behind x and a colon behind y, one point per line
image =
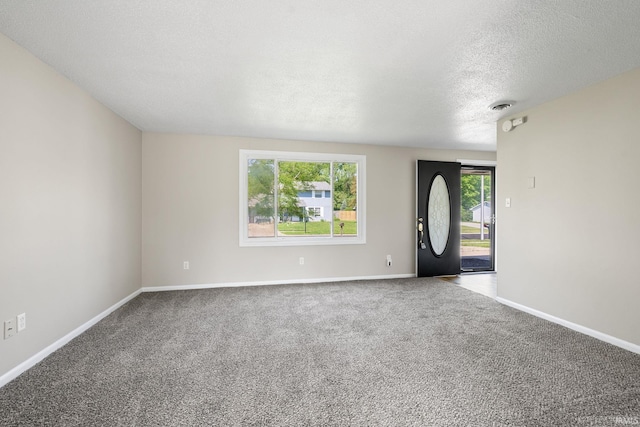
x: 293, y: 198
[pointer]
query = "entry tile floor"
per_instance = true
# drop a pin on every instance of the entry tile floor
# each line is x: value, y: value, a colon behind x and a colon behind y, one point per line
x: 482, y: 283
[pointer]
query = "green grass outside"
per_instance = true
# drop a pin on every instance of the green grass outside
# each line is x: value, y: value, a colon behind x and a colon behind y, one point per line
x: 465, y: 229
x: 320, y: 228
x: 476, y: 243
x: 317, y: 228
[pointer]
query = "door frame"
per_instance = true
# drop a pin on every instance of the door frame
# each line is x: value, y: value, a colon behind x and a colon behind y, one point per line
x: 494, y: 186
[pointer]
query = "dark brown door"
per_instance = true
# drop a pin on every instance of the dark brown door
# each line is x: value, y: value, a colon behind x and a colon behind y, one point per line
x: 438, y: 213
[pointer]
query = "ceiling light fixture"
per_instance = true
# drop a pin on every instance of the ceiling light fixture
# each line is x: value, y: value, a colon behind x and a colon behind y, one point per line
x: 501, y: 105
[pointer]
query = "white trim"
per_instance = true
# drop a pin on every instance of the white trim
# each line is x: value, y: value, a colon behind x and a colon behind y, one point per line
x: 39, y: 356
x: 273, y: 282
x: 579, y: 328
x: 467, y: 162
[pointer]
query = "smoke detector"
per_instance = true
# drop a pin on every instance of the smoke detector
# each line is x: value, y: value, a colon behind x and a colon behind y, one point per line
x: 510, y: 124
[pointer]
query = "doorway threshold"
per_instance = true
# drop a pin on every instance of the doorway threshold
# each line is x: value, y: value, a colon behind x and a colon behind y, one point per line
x: 481, y: 282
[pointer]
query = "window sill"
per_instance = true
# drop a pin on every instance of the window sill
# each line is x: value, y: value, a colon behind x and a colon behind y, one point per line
x: 302, y: 241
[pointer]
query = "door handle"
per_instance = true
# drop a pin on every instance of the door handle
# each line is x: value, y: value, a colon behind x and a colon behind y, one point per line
x: 420, y: 227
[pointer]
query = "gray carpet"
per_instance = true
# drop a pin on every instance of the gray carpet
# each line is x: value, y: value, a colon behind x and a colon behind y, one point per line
x: 414, y: 352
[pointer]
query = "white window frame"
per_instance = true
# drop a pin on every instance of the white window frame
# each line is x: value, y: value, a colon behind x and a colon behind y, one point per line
x: 335, y: 239
x: 315, y: 211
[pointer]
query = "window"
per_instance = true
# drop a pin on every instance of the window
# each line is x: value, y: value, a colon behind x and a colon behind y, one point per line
x: 301, y: 198
x: 314, y: 212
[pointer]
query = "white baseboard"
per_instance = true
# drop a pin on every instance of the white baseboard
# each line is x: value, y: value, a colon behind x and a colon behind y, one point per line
x: 33, y: 360
x: 579, y: 328
x: 271, y: 282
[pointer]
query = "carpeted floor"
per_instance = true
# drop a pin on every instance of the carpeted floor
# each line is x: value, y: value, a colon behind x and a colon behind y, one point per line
x: 411, y: 352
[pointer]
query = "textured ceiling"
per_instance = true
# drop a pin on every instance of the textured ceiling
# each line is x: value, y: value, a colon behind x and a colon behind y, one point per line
x: 412, y: 73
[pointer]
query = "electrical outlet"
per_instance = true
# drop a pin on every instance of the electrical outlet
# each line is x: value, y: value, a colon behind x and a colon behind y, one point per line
x: 22, y: 321
x: 389, y: 261
x: 185, y: 265
x: 301, y: 260
x: 9, y: 328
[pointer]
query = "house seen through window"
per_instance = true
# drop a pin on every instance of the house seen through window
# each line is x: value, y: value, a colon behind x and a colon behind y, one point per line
x: 301, y: 198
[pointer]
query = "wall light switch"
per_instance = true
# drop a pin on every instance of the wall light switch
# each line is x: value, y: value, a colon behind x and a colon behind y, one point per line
x: 185, y: 265
x: 507, y: 202
x: 531, y: 182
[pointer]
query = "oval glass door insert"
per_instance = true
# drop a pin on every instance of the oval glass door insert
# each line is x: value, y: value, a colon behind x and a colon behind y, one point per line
x: 438, y: 215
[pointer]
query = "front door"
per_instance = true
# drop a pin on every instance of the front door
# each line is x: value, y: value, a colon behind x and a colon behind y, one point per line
x: 438, y: 218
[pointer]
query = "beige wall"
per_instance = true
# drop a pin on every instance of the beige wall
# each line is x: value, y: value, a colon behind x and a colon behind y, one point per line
x: 570, y: 246
x: 190, y: 213
x: 70, y: 192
